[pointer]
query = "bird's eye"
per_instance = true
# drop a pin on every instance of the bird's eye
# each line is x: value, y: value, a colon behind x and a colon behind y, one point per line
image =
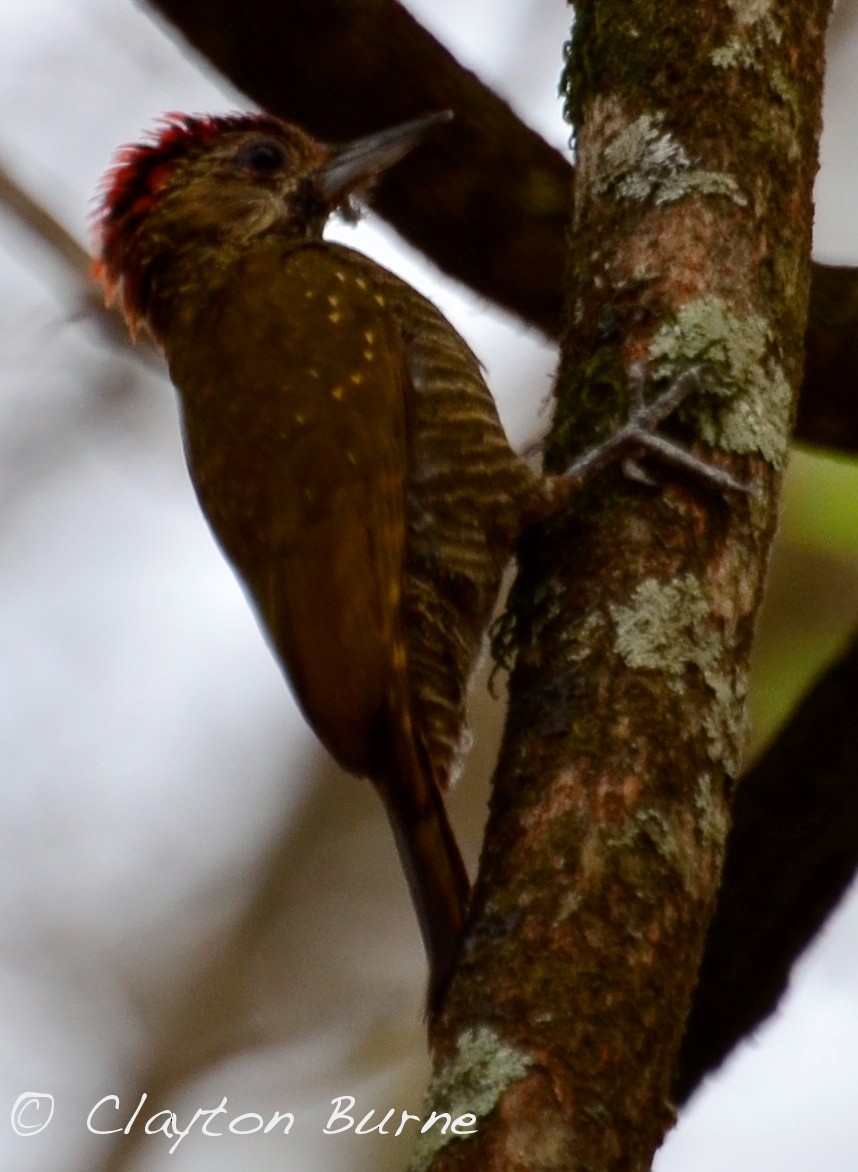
x: 265, y: 156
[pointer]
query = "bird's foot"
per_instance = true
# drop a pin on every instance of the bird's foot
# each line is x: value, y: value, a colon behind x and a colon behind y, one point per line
x: 638, y: 436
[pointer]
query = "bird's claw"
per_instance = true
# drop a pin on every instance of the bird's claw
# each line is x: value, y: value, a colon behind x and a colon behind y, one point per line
x: 638, y: 434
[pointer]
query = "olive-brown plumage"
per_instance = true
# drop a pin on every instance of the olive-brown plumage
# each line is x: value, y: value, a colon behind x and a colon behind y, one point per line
x: 343, y: 445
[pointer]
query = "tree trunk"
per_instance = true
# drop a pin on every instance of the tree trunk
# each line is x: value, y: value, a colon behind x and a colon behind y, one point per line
x: 697, y: 136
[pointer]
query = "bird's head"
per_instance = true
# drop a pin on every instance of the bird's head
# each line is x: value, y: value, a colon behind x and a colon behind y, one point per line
x: 210, y: 185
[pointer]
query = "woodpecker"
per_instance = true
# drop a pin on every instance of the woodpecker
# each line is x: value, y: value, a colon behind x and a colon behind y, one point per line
x: 343, y: 445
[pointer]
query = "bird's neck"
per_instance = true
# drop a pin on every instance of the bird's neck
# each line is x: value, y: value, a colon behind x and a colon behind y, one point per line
x: 181, y: 283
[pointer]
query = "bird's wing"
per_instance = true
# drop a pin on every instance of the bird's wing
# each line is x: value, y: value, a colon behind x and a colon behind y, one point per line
x: 300, y: 462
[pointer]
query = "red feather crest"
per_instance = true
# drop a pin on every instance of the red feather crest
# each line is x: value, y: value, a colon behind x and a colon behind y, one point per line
x: 131, y: 187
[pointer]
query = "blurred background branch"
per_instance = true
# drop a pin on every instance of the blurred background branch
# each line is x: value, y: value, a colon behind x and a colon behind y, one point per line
x: 74, y: 263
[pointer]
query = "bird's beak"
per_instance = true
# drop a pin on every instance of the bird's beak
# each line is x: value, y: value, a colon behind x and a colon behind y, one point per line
x: 351, y: 165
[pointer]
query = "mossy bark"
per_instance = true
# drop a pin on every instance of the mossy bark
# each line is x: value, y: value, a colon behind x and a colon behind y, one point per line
x: 697, y: 134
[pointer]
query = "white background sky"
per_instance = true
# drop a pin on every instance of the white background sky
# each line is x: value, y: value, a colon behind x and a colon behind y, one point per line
x: 149, y: 750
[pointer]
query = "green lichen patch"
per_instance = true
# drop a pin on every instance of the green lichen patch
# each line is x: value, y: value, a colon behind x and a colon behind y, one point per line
x: 666, y: 627
x: 752, y: 12
x: 749, y: 48
x: 727, y: 722
x: 473, y: 1082
x: 734, y: 53
x: 755, y: 418
x: 644, y: 161
x: 711, y: 812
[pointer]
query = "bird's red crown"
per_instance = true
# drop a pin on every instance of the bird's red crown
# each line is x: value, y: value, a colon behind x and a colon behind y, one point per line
x: 132, y: 186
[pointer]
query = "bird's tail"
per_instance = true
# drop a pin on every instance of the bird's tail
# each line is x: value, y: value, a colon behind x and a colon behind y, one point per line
x: 430, y: 858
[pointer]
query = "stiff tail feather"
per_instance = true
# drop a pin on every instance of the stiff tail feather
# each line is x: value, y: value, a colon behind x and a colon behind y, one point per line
x: 433, y: 866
